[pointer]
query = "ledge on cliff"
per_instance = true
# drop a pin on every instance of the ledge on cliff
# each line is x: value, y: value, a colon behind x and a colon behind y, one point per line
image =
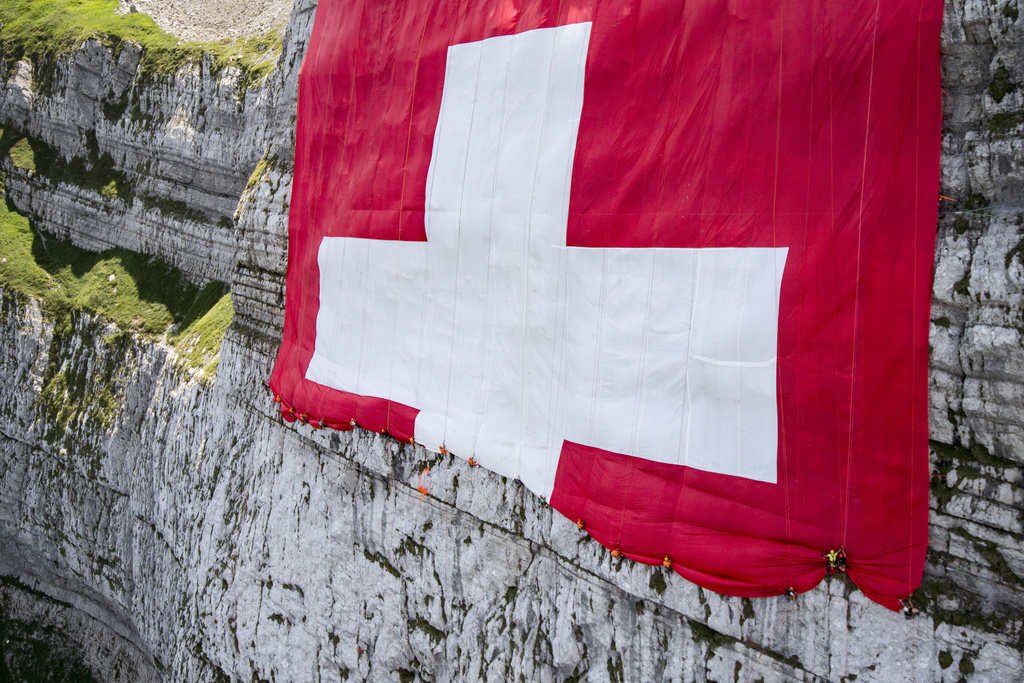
x: 137, y: 292
x: 41, y: 30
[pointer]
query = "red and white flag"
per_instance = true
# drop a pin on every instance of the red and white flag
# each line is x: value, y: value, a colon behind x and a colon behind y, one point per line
x: 668, y: 264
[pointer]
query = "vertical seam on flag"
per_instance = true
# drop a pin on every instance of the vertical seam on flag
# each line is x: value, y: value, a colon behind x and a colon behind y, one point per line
x: 856, y: 298
x: 559, y: 397
x: 689, y: 343
x: 398, y: 271
x: 337, y: 319
x: 558, y: 401
x: 781, y: 416
x: 321, y: 393
x: 428, y: 299
x: 557, y: 394
x: 458, y: 249
x: 638, y: 401
x: 598, y: 366
x: 401, y: 217
x: 655, y: 242
x: 814, y: 155
x: 529, y: 236
x: 625, y: 499
x: 486, y: 359
x: 738, y: 370
x: 915, y: 355
x: 832, y: 216
x: 360, y: 401
x: 348, y: 122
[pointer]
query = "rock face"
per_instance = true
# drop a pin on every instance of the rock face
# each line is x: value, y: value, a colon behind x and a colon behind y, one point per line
x: 190, y: 535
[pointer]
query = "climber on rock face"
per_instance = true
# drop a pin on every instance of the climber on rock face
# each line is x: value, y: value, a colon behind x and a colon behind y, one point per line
x: 835, y: 561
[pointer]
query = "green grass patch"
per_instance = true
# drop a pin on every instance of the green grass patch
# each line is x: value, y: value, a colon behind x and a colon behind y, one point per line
x: 199, y: 336
x: 136, y: 292
x: 22, y: 155
x: 42, y: 30
x: 18, y: 270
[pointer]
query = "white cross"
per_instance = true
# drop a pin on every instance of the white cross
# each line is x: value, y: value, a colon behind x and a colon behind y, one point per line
x: 508, y: 341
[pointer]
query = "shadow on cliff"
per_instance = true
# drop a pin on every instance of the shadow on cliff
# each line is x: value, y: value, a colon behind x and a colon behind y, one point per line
x: 137, y: 291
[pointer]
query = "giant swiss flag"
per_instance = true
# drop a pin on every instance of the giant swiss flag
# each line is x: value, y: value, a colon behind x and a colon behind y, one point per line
x: 668, y: 264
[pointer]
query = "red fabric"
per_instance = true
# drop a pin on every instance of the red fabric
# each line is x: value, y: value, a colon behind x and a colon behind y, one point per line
x: 711, y: 123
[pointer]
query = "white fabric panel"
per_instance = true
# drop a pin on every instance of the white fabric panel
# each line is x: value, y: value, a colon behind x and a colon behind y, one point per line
x: 732, y: 362
x: 672, y: 355
x: 507, y: 341
x: 629, y: 321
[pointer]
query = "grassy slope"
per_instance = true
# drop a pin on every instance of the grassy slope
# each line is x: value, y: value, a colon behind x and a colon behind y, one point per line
x: 135, y: 292
x: 42, y: 29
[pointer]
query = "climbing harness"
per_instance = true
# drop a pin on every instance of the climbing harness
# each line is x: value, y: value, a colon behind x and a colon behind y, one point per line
x: 835, y: 561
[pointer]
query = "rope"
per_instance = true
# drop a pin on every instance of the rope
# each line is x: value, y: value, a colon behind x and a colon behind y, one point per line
x: 320, y: 151
x: 856, y: 304
x: 771, y: 637
x: 458, y: 258
x: 529, y: 237
x: 401, y: 216
x: 913, y: 651
x: 913, y: 401
x: 846, y: 655
x: 775, y: 273
x: 485, y: 358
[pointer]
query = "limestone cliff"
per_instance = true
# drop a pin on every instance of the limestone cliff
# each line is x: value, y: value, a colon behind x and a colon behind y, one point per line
x: 170, y: 527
